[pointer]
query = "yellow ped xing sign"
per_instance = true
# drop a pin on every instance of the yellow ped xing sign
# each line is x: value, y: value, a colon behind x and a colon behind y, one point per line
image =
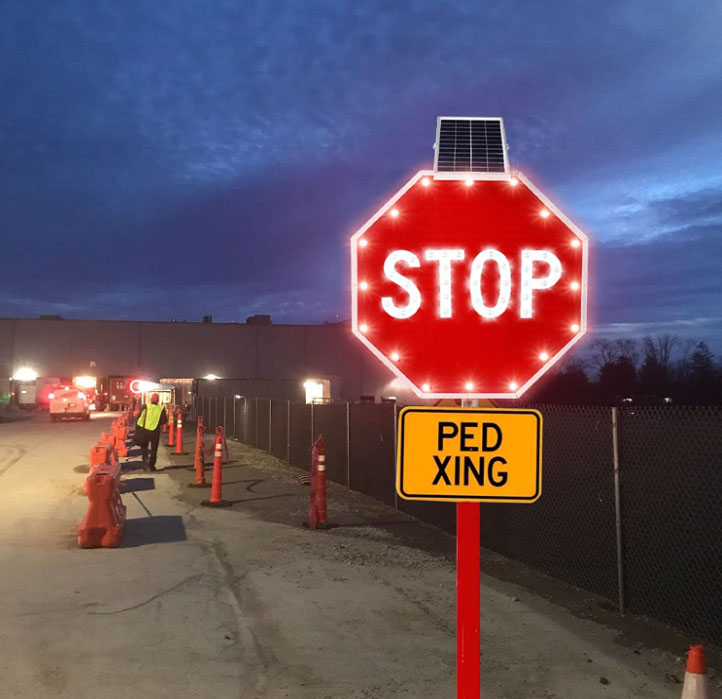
x: 469, y: 454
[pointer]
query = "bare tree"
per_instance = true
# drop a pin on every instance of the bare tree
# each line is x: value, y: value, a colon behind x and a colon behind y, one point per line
x: 659, y: 349
x: 665, y: 346
x: 685, y: 350
x: 603, y: 352
x: 628, y: 347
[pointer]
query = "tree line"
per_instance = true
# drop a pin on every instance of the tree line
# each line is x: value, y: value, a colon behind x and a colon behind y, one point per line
x: 653, y: 370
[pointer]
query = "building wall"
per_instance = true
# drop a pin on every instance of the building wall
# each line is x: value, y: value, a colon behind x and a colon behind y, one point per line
x: 282, y: 354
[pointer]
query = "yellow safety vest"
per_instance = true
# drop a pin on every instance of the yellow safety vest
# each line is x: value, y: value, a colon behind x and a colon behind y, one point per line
x: 150, y: 417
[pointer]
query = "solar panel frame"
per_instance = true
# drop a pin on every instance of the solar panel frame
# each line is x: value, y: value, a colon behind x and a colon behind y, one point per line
x: 486, y: 134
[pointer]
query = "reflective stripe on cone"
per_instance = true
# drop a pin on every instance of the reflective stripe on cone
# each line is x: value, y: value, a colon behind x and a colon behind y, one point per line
x: 696, y: 683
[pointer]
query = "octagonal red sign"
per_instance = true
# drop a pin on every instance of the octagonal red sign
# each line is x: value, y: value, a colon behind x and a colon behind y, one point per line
x: 469, y: 288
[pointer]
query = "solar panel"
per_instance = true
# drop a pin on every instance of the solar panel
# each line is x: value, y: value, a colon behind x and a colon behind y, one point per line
x: 474, y: 145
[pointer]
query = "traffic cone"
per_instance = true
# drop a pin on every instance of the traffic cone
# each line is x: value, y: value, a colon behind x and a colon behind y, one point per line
x: 199, y: 463
x: 179, y: 434
x: 317, y: 514
x: 696, y: 685
x: 171, y: 429
x: 217, y: 482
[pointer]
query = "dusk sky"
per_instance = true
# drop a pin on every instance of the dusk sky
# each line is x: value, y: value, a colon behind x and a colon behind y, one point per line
x: 174, y: 159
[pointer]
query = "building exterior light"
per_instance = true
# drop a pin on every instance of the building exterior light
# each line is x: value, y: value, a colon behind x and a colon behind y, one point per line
x: 210, y: 377
x: 25, y: 374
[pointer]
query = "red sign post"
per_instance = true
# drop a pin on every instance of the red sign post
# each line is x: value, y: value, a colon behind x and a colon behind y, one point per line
x: 468, y: 286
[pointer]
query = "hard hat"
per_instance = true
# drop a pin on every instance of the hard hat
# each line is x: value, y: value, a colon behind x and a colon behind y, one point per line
x: 154, y: 398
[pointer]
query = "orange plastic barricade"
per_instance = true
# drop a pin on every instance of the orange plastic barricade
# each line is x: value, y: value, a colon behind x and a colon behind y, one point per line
x: 103, y: 523
x: 99, y: 455
x: 119, y: 444
x: 109, y: 439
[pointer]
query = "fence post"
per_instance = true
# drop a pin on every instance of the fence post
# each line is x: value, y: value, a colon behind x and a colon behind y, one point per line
x: 234, y: 417
x: 255, y: 408
x: 312, y: 440
x: 288, y: 432
x: 245, y: 419
x: 396, y: 495
x: 618, y: 509
x: 270, y: 411
x: 225, y: 419
x: 348, y: 444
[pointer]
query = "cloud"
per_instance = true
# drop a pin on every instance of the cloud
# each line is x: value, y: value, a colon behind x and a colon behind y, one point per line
x: 168, y: 159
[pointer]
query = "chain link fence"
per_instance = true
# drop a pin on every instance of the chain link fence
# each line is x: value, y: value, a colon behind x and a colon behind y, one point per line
x: 631, y: 505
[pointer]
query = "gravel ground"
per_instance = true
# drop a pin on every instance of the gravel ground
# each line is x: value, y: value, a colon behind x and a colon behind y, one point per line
x: 383, y: 569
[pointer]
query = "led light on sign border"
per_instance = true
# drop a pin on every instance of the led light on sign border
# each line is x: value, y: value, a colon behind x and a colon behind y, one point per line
x: 469, y: 386
x: 363, y: 328
x: 363, y: 286
x: 575, y: 327
x: 426, y: 388
x: 575, y: 286
x: 395, y: 356
x: 544, y: 356
x: 513, y: 386
x: 544, y: 213
x: 469, y: 182
x: 513, y: 181
x: 425, y: 181
x: 576, y: 242
x: 363, y: 243
x: 394, y: 213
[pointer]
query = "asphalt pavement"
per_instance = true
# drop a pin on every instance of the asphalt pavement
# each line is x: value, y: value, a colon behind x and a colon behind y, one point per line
x: 246, y: 602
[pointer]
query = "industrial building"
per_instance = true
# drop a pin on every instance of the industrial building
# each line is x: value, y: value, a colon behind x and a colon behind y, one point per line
x: 321, y: 362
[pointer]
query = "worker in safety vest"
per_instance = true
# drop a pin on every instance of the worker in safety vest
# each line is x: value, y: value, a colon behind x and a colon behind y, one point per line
x: 147, y: 430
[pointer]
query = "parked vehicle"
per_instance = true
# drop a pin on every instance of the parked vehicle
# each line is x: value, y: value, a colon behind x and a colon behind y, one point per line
x: 120, y: 396
x: 25, y: 392
x: 69, y: 403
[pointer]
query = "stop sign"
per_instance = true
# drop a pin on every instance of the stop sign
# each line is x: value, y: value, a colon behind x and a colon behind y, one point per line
x: 469, y: 288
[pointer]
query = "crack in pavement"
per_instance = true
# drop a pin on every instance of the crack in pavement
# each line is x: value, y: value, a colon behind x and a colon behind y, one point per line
x: 185, y: 581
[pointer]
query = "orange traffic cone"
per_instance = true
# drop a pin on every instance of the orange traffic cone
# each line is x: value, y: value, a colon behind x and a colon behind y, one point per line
x: 199, y: 463
x: 171, y: 429
x: 696, y: 685
x: 179, y: 434
x: 217, y: 482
